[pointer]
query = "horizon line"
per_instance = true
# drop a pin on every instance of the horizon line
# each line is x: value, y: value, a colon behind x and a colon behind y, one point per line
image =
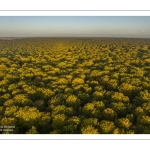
x: 72, y: 37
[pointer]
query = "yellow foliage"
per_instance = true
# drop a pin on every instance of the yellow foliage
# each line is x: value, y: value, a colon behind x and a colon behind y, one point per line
x: 89, y: 130
x: 77, y: 81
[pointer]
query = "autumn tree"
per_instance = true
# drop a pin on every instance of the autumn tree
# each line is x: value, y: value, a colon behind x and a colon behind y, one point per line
x: 106, y: 127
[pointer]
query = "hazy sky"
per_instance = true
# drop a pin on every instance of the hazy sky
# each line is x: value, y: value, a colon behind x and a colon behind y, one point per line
x: 99, y: 26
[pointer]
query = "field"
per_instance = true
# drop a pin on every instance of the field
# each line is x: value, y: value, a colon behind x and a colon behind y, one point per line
x: 74, y: 86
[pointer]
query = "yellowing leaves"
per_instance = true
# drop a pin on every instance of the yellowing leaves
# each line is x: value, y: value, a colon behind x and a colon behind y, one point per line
x: 22, y: 100
x: 3, y: 67
x: 28, y: 113
x: 119, y: 97
x: 124, y: 123
x: 72, y: 100
x: 77, y: 81
x: 89, y: 130
x: 106, y: 126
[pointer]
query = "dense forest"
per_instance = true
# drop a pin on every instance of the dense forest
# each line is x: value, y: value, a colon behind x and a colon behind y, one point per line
x: 75, y: 86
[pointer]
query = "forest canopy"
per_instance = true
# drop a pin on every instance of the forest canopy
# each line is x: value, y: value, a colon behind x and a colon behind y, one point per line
x: 75, y: 86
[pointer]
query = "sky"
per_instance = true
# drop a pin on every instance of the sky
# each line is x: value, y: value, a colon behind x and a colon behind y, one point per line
x: 75, y: 26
